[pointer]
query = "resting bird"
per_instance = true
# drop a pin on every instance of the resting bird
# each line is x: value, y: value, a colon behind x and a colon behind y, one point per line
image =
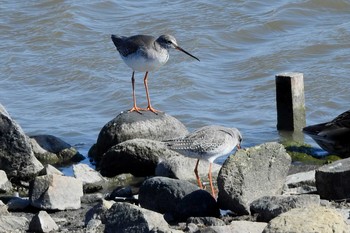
x: 207, y: 143
x: 332, y: 136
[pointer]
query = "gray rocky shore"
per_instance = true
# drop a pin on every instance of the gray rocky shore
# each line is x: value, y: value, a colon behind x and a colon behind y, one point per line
x: 139, y: 185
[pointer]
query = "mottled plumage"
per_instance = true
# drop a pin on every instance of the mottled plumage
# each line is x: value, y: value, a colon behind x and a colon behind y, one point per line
x: 145, y: 53
x: 207, y: 143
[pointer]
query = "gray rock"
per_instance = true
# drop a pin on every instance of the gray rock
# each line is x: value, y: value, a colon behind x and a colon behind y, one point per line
x: 137, y: 156
x: 205, y: 221
x: 162, y: 194
x: 180, y: 167
x: 300, y: 183
x: 5, y: 184
x: 131, y: 125
x: 269, y: 207
x: 98, y: 211
x: 236, y: 227
x: 50, y: 170
x: 3, y: 208
x: 332, y: 180
x: 250, y: 174
x: 16, y: 156
x: 42, y: 222
x: 198, y: 203
x: 11, y: 223
x: 95, y: 226
x: 18, y: 203
x: 125, y: 217
x: 309, y: 219
x: 50, y: 149
x: 55, y: 192
x: 86, y: 174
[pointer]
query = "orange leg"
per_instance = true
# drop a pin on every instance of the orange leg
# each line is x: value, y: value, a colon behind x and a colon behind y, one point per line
x: 134, y: 108
x: 211, y: 181
x: 149, y: 107
x: 197, y: 176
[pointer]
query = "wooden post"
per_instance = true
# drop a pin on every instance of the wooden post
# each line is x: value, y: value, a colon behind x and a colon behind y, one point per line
x: 290, y: 101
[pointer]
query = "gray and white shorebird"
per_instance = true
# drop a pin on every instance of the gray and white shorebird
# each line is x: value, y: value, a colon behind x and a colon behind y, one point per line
x: 145, y: 53
x: 207, y: 143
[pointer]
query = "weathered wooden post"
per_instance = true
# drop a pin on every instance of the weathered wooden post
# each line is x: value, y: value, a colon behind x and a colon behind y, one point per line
x: 290, y: 101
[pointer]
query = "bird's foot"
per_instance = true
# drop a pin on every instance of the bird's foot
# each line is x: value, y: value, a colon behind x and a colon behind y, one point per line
x: 150, y: 108
x: 137, y: 109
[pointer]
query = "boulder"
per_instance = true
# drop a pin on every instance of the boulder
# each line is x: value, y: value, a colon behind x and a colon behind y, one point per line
x: 308, y: 219
x: 162, y: 194
x: 205, y: 221
x: 98, y: 211
x: 269, y: 207
x: 52, y: 150
x: 137, y: 156
x: 250, y: 174
x: 180, y: 167
x: 11, y: 223
x: 300, y: 183
x: 332, y: 180
x: 86, y: 174
x: 131, y: 125
x: 198, y: 203
x: 50, y: 170
x: 16, y: 155
x: 5, y: 184
x: 236, y: 227
x: 42, y: 222
x: 125, y: 217
x: 56, y: 192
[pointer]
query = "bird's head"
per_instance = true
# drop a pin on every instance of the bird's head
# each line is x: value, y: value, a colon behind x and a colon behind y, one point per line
x: 168, y: 42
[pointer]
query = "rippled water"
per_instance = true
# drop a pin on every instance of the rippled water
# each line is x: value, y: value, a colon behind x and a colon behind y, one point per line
x: 61, y: 75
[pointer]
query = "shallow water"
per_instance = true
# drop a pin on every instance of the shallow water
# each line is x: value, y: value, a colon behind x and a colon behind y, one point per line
x: 61, y: 75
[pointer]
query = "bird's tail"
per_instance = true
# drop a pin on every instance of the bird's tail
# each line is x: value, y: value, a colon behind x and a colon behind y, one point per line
x: 116, y: 40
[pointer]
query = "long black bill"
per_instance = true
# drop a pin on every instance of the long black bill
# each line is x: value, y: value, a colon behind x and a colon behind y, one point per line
x: 182, y: 50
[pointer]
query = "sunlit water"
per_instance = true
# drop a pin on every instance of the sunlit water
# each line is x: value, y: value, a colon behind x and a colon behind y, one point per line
x: 61, y: 75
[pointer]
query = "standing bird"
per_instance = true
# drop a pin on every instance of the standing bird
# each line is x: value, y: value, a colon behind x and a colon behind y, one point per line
x: 145, y: 53
x: 207, y: 143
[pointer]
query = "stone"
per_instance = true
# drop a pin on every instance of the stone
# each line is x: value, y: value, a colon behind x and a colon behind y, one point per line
x: 50, y: 170
x: 198, y: 203
x: 300, y: 183
x: 131, y: 125
x: 95, y: 226
x: 162, y: 194
x: 16, y: 155
x: 206, y: 221
x: 55, y: 192
x: 332, y: 180
x: 180, y: 167
x: 236, y: 227
x: 5, y: 184
x: 308, y: 219
x: 11, y: 223
x: 3, y: 209
x: 250, y: 174
x: 86, y: 174
x: 52, y: 150
x: 269, y: 207
x: 137, y: 156
x: 42, y: 222
x: 125, y: 217
x: 98, y: 211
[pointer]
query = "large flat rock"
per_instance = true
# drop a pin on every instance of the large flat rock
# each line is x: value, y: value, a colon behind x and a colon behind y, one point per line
x: 250, y: 174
